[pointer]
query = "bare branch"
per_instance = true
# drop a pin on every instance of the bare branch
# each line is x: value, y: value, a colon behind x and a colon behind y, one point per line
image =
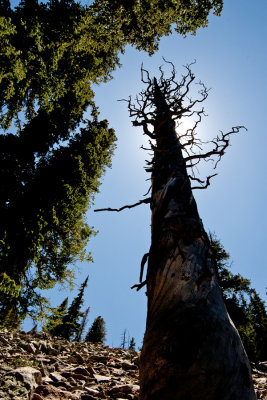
x: 139, y: 286
x: 150, y: 187
x: 220, y: 144
x: 143, y: 262
x: 207, y: 183
x: 144, y: 201
x: 145, y: 148
x: 180, y: 104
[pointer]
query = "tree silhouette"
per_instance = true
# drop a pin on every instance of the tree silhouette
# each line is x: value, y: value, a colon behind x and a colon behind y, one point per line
x: 191, y: 349
x: 244, y: 305
x: 132, y: 344
x: 97, y: 332
x: 71, y: 326
x: 82, y: 326
x: 51, y: 160
x: 54, y: 321
x: 65, y: 322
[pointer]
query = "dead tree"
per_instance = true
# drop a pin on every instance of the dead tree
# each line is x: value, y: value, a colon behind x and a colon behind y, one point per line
x: 191, y: 349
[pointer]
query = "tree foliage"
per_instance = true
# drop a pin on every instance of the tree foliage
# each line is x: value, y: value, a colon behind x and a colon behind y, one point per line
x: 43, y: 215
x: 143, y: 23
x: 67, y: 322
x: 245, y: 307
x: 82, y: 325
x: 55, y: 319
x: 51, y: 159
x: 97, y: 331
x: 132, y: 344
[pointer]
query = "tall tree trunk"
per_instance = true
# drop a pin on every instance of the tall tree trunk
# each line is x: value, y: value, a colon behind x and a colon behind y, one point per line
x: 191, y: 349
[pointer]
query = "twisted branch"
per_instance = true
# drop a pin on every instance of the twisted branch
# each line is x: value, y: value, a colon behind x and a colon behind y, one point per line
x: 145, y: 201
x: 180, y: 105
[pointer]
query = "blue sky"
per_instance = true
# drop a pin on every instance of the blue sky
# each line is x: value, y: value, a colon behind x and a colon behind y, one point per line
x: 231, y: 59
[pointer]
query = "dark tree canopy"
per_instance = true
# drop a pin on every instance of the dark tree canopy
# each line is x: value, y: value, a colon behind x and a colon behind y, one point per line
x: 43, y: 212
x: 68, y: 322
x: 97, y: 331
x: 132, y: 344
x: 246, y: 308
x: 54, y: 320
x: 51, y: 159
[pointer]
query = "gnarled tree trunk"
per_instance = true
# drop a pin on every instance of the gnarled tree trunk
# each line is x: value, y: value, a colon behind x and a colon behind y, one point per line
x: 191, y: 349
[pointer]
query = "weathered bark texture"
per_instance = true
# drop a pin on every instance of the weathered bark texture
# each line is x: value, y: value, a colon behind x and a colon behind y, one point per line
x: 191, y: 349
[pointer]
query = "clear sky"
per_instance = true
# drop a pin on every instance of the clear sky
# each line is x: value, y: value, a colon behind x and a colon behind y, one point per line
x: 231, y: 59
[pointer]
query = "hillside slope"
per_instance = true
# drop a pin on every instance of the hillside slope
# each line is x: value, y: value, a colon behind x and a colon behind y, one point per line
x: 35, y: 366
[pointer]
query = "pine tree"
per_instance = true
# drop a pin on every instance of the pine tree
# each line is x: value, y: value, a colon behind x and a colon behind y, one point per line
x: 71, y: 320
x: 97, y: 331
x: 82, y: 326
x: 54, y: 323
x: 66, y: 322
x: 254, y: 332
x: 245, y: 307
x: 51, y: 160
x: 132, y: 344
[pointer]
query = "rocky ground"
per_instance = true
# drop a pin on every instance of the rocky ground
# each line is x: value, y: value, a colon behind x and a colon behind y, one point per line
x: 34, y: 366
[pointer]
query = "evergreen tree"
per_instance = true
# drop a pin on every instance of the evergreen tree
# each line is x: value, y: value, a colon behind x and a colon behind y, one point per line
x: 132, y: 344
x: 254, y: 331
x: 97, y: 331
x: 51, y: 160
x: 45, y: 219
x: 245, y: 307
x: 83, y: 323
x: 66, y: 323
x: 54, y: 323
x: 71, y: 321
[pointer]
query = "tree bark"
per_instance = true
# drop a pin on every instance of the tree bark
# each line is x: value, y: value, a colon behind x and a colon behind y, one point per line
x: 191, y: 349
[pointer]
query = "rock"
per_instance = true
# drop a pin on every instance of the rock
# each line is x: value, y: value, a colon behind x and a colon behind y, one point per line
x: 49, y: 392
x: 92, y: 392
x: 29, y: 347
x: 84, y: 371
x: 56, y: 377
x: 65, y: 370
x: 36, y: 396
x: 13, y: 389
x: 121, y: 389
x: 127, y: 365
x: 102, y: 378
x: 3, y: 339
x: 101, y: 358
x: 19, y: 383
x: 79, y: 358
x: 75, y: 371
x: 88, y: 397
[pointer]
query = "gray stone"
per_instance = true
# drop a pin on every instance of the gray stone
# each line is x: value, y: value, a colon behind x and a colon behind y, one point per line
x: 102, y: 378
x: 30, y: 377
x: 13, y: 389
